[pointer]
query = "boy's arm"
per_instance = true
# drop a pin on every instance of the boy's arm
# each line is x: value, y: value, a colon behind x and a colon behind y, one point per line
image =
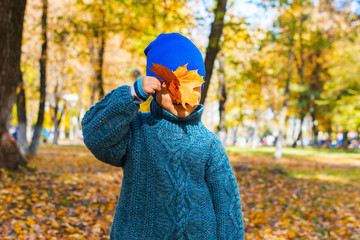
x: 223, y: 188
x: 137, y: 93
x: 106, y: 126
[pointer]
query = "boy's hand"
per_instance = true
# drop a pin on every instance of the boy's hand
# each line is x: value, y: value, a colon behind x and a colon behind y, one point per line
x: 151, y: 84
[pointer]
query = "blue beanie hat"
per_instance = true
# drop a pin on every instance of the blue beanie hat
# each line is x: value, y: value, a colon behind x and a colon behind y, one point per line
x: 173, y: 50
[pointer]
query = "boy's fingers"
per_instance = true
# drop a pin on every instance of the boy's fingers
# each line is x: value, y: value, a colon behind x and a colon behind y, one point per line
x: 153, y: 85
x: 157, y: 85
x: 155, y: 79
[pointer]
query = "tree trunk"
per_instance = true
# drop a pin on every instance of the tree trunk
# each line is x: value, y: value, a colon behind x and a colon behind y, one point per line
x: 357, y: 145
x: 315, y: 131
x: 299, y: 137
x: 255, y: 134
x: 11, y: 30
x: 280, y: 137
x: 56, y: 132
x: 294, y: 129
x: 35, y: 141
x: 92, y: 63
x: 21, y: 116
x: 344, y: 144
x: 99, y: 72
x: 300, y: 66
x: 316, y: 85
x: 285, y: 130
x: 213, y: 46
x: 222, y: 99
x: 328, y: 140
x: 283, y: 113
x: 10, y: 156
x: 98, y: 43
x: 97, y: 49
x: 57, y: 121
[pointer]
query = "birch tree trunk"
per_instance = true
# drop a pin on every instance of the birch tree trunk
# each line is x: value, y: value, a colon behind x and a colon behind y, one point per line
x: 21, y: 116
x: 283, y: 113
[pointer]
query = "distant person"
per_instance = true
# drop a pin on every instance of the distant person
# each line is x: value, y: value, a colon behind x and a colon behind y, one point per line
x: 178, y: 182
x: 15, y: 133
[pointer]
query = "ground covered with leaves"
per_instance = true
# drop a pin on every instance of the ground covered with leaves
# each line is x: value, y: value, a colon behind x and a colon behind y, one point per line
x: 66, y: 193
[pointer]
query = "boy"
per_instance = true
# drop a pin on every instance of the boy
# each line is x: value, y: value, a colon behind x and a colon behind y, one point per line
x: 178, y: 182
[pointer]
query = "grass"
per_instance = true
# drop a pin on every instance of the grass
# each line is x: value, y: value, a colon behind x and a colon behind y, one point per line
x: 295, y: 151
x: 320, y: 164
x: 327, y: 174
x: 324, y: 156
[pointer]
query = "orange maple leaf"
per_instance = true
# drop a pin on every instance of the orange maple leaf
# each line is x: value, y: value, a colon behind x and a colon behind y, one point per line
x: 171, y: 81
x: 180, y: 83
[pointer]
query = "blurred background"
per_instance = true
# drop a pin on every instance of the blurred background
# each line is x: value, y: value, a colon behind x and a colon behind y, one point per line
x: 282, y: 93
x: 288, y: 67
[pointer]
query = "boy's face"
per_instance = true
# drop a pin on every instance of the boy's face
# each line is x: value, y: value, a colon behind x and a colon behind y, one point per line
x: 164, y: 100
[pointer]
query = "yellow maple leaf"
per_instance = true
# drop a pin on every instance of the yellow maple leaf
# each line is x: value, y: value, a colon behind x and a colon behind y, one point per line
x: 188, y: 81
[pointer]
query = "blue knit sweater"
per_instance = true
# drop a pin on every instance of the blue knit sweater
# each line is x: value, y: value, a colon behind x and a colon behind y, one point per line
x: 178, y: 182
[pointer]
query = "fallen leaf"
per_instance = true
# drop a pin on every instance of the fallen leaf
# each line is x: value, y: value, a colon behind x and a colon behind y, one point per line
x: 171, y: 81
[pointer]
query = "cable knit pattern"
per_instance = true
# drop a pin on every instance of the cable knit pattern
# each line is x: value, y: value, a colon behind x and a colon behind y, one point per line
x: 178, y: 182
x: 225, y: 195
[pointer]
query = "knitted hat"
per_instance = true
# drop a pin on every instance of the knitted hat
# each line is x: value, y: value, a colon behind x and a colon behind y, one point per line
x: 173, y: 50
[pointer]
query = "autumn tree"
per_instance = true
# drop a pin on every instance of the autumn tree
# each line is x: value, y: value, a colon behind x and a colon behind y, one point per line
x: 304, y: 32
x: 104, y: 19
x: 213, y: 45
x: 35, y: 141
x: 341, y: 93
x: 11, y: 28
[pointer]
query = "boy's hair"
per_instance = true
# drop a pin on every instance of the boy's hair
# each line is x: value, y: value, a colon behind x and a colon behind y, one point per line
x: 173, y: 50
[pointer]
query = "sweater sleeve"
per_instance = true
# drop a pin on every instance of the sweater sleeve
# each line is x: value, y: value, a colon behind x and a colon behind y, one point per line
x: 137, y: 92
x: 106, y: 126
x: 223, y: 188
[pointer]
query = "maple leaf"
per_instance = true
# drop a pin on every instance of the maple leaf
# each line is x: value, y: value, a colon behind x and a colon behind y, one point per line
x: 188, y: 81
x: 171, y: 81
x: 180, y: 83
